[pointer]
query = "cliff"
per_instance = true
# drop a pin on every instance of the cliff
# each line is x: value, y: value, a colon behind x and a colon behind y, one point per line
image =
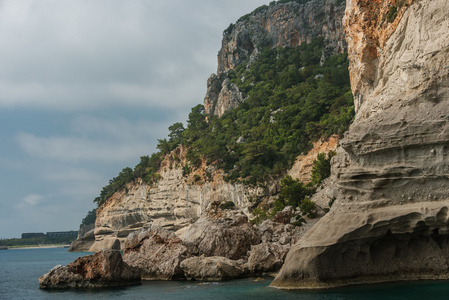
x: 278, y: 25
x: 390, y: 219
x: 177, y: 201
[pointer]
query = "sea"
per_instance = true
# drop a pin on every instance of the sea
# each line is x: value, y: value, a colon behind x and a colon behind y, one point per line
x: 20, y: 269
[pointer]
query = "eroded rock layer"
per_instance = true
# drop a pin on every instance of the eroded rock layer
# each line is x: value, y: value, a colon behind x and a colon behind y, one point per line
x: 177, y: 201
x: 390, y: 220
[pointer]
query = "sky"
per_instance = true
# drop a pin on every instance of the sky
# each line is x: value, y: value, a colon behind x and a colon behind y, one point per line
x: 86, y: 89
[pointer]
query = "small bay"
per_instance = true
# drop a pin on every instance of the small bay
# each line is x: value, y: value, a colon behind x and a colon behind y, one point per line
x: 20, y: 268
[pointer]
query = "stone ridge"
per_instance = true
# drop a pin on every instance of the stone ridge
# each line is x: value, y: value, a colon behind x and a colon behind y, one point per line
x: 390, y: 218
x: 279, y: 25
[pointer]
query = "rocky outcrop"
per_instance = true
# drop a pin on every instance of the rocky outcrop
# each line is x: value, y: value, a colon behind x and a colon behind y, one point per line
x: 273, y: 26
x: 221, y: 95
x: 389, y: 221
x: 102, y: 269
x: 156, y: 252
x: 84, y: 241
x: 215, y: 268
x: 221, y: 233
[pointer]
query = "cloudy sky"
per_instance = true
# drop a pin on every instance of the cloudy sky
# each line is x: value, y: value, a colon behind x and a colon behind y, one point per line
x: 87, y: 87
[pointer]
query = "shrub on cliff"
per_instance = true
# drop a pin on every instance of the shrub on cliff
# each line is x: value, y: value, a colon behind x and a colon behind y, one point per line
x: 321, y: 167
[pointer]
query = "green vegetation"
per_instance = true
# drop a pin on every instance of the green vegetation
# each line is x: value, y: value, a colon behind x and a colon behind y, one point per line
x: 339, y: 2
x: 321, y: 168
x: 227, y: 205
x: 291, y: 100
x: 393, y: 11
x: 36, y: 241
x: 90, y: 218
x: 296, y: 194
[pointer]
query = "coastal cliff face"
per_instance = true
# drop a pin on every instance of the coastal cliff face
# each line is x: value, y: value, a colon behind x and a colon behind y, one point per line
x: 390, y: 220
x: 279, y: 25
x: 176, y: 201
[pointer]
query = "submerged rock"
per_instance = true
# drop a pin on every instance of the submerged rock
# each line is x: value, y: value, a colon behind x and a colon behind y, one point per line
x: 102, y: 269
x: 157, y: 252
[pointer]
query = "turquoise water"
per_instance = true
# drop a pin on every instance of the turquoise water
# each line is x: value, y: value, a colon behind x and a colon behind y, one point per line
x: 19, y: 270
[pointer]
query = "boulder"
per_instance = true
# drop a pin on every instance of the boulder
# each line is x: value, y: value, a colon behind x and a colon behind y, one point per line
x: 221, y: 233
x: 102, y: 269
x: 213, y: 268
x: 156, y: 252
x: 267, y: 257
x: 284, y: 216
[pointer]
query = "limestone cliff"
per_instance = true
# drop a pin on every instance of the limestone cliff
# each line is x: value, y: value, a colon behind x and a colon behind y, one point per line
x: 390, y: 220
x: 278, y: 25
x: 177, y: 201
x: 174, y: 202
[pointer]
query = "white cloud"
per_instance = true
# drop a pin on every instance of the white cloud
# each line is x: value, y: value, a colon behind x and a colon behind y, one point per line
x: 30, y: 200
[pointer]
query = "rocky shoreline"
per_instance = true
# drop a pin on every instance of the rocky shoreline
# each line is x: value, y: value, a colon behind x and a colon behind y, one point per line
x: 221, y: 245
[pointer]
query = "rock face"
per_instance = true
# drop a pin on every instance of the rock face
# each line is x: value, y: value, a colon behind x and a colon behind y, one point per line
x: 175, y: 201
x: 215, y: 268
x: 102, y: 269
x: 390, y: 219
x: 278, y: 25
x: 84, y: 241
x: 156, y: 252
x: 221, y: 233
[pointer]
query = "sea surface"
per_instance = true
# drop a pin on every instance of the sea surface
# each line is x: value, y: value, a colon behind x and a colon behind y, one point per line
x: 20, y: 268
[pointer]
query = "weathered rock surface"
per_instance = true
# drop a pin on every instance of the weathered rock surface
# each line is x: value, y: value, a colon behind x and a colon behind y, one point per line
x: 215, y: 268
x: 390, y: 220
x: 84, y: 241
x: 173, y: 203
x: 267, y: 257
x: 102, y: 269
x: 221, y: 233
x: 284, y: 216
x: 280, y: 25
x: 276, y: 241
x: 156, y: 252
